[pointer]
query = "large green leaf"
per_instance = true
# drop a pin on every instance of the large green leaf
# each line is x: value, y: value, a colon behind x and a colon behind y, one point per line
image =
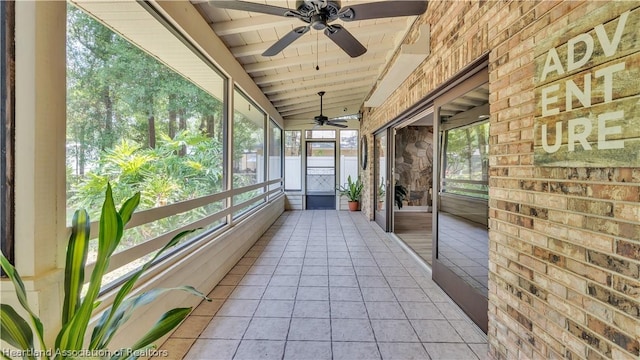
x: 76, y: 260
x: 72, y: 335
x: 129, y: 207
x: 14, y: 329
x: 165, y: 324
x: 21, y: 293
x: 124, y: 312
x: 98, y: 340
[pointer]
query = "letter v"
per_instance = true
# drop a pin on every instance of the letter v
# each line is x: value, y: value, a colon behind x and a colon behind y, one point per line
x: 610, y: 47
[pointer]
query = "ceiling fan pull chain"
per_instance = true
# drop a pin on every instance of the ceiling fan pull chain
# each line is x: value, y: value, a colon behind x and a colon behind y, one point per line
x: 317, y: 51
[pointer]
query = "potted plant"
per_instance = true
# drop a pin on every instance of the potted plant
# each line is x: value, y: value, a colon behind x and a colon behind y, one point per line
x: 400, y: 194
x: 381, y: 194
x: 77, y: 310
x: 353, y: 191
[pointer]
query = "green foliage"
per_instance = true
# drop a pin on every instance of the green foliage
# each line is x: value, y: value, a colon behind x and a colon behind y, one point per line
x: 352, y: 190
x: 115, y: 91
x: 400, y: 193
x: 77, y: 312
x: 381, y: 191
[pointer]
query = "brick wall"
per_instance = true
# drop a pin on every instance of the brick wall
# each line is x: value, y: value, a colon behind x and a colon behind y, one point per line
x: 564, y: 242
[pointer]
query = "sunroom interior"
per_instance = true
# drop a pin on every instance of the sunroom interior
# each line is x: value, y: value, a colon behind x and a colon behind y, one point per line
x: 174, y: 100
x: 496, y: 143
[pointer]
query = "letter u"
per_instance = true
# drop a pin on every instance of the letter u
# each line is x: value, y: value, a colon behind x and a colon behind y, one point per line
x: 556, y: 145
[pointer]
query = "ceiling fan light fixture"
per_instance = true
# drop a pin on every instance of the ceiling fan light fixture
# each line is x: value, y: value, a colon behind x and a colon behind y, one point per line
x: 318, y: 22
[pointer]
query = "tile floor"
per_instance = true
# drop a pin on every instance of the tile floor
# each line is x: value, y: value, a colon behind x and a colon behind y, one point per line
x: 327, y: 285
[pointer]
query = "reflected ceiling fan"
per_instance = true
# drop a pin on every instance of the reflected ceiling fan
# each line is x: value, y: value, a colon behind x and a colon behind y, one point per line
x: 318, y: 14
x: 321, y: 120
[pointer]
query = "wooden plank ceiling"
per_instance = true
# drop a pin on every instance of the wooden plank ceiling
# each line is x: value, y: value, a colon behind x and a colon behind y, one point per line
x: 290, y: 79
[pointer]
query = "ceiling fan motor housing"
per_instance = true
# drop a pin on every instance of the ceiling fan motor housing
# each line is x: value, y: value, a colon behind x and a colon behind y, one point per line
x: 330, y: 8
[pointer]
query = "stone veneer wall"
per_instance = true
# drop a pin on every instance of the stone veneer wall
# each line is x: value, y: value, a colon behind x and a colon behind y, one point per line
x: 414, y: 163
x: 564, y: 242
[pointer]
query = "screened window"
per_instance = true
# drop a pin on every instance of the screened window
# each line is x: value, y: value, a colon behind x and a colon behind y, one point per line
x: 348, y: 155
x: 140, y: 125
x: 466, y: 160
x: 320, y: 134
x: 248, y: 148
x: 292, y: 160
x: 6, y: 128
x: 275, y: 153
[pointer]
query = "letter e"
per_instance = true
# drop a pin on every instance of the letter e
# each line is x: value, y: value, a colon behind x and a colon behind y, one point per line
x: 603, y: 130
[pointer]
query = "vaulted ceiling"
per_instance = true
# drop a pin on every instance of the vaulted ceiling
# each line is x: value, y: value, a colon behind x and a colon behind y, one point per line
x: 290, y: 79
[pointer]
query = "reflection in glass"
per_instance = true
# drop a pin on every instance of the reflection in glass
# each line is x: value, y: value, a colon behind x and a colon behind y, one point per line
x: 465, y: 163
x: 463, y: 242
x: 380, y: 162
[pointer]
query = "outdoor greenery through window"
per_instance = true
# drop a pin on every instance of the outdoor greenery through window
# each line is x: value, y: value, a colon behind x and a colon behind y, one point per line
x: 248, y: 148
x: 466, y: 160
x: 275, y: 153
x: 138, y: 124
x: 292, y: 160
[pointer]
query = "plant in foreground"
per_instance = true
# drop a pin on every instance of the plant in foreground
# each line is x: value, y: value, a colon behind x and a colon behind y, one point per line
x: 352, y: 190
x: 77, y: 311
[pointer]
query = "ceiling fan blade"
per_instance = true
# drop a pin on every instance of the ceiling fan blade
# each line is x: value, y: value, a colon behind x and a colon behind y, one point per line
x: 383, y: 9
x: 338, y: 120
x: 331, y: 123
x: 286, y: 40
x: 250, y: 6
x: 345, y: 40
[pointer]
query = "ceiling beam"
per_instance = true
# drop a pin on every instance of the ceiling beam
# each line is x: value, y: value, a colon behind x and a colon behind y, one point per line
x: 370, y: 76
x: 379, y: 54
x: 254, y: 23
x: 330, y: 111
x: 323, y: 85
x: 306, y: 106
x: 351, y: 68
x: 295, y: 100
x: 307, y: 41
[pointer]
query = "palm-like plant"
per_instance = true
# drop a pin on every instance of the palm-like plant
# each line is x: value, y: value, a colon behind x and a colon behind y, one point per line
x: 352, y: 190
x: 78, y: 311
x: 400, y: 194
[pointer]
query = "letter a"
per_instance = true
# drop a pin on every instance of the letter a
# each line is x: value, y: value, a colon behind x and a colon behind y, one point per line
x: 552, y: 57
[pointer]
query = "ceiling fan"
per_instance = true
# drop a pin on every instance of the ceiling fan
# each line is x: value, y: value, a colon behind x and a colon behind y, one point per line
x: 318, y: 14
x: 321, y: 120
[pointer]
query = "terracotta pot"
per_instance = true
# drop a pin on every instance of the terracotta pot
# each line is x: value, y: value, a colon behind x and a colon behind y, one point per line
x: 354, y: 205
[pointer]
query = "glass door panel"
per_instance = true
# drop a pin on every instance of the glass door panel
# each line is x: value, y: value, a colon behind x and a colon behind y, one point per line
x: 321, y: 175
x: 461, y: 256
x: 380, y: 156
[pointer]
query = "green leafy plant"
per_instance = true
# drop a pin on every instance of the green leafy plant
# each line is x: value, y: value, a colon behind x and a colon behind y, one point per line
x: 400, y: 194
x: 381, y: 191
x: 78, y: 311
x: 352, y: 190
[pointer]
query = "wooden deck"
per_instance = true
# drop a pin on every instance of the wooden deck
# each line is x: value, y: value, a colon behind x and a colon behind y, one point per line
x: 414, y: 228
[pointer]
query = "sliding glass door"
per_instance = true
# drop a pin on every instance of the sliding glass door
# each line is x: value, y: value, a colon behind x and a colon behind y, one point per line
x: 381, y: 179
x: 461, y: 258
